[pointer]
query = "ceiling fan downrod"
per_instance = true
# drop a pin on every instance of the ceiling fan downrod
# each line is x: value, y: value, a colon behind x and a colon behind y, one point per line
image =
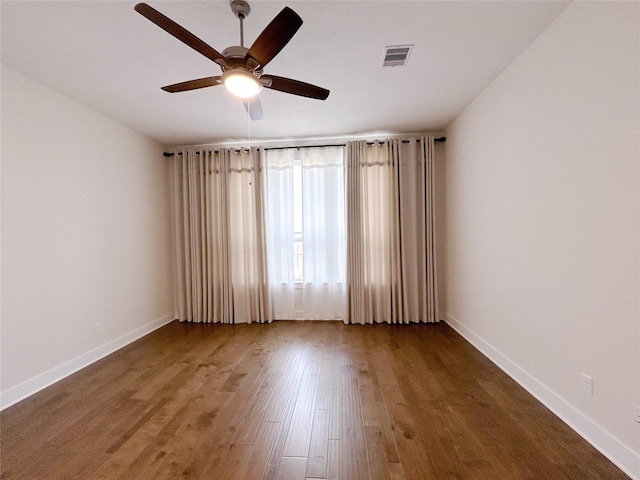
x: 241, y: 9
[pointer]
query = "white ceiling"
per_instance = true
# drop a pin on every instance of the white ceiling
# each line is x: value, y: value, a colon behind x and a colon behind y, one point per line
x: 105, y: 55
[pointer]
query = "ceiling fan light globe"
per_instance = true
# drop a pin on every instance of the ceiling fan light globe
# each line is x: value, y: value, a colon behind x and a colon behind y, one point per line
x: 241, y: 83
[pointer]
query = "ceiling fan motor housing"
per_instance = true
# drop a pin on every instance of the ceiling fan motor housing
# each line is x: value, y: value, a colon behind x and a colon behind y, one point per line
x: 235, y: 57
x: 235, y: 54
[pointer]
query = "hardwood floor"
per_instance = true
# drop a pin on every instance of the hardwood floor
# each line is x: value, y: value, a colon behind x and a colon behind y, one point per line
x: 293, y: 400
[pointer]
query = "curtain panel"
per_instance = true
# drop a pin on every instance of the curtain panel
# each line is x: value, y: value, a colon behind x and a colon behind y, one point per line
x: 391, y: 257
x: 219, y: 235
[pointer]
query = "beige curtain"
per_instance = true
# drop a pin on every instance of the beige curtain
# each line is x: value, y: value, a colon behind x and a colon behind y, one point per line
x: 391, y: 258
x: 220, y: 266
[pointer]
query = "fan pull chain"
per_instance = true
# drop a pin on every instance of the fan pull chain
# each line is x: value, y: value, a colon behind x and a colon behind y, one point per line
x: 249, y: 122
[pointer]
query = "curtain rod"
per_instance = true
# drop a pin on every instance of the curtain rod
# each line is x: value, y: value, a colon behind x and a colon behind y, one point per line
x: 437, y: 140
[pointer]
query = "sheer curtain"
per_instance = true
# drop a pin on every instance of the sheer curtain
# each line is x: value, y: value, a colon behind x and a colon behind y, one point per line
x: 280, y: 238
x: 322, y: 293
x: 220, y: 259
x: 391, y: 231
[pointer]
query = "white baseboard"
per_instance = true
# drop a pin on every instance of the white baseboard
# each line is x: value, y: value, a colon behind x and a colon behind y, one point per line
x: 616, y: 451
x: 15, y: 394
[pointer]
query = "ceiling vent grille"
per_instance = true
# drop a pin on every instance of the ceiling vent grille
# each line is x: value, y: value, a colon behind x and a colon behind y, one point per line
x: 396, y: 55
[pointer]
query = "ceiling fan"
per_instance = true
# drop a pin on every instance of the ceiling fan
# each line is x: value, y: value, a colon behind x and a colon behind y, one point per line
x: 242, y: 68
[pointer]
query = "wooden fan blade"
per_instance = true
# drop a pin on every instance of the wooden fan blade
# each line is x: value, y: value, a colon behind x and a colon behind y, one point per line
x: 275, y: 36
x: 179, y: 32
x: 192, y: 84
x: 295, y: 87
x: 253, y: 106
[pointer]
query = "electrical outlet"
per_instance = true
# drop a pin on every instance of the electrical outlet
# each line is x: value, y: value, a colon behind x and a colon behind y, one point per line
x: 636, y: 415
x: 97, y: 328
x: 587, y: 384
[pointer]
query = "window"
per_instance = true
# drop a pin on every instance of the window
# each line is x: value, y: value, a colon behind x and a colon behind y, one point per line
x: 306, y: 231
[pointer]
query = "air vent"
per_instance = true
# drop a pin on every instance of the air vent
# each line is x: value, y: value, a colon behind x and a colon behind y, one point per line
x: 396, y: 55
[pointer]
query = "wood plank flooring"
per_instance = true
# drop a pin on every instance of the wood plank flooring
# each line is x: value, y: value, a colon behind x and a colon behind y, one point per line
x: 292, y: 401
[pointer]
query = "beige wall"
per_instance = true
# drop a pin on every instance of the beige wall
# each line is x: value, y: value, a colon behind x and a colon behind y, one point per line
x: 85, y: 236
x: 542, y: 221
